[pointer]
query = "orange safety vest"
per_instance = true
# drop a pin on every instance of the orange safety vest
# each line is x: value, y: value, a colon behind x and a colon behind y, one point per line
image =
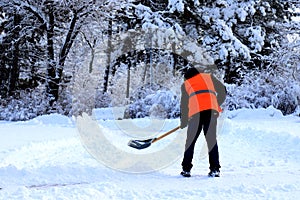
x: 202, y: 94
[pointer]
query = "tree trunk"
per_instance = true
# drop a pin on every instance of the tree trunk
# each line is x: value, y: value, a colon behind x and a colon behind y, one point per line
x: 92, y: 60
x: 14, y: 71
x: 173, y: 58
x: 55, y: 69
x: 52, y: 87
x: 109, y: 46
x: 128, y: 81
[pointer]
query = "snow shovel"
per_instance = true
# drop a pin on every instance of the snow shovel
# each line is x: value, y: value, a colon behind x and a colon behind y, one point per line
x: 142, y: 144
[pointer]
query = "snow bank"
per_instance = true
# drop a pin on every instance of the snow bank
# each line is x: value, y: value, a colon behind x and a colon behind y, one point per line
x: 261, y: 113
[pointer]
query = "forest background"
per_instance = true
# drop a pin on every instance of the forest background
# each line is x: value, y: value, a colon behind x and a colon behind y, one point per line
x: 71, y: 56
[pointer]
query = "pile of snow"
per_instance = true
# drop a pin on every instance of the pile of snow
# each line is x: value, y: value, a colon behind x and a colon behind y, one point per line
x: 44, y: 158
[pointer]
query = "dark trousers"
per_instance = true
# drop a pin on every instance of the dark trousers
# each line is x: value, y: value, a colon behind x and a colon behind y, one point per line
x: 206, y: 121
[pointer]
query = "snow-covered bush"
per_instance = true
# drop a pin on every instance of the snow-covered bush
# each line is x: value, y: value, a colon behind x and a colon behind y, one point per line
x: 158, y: 104
x: 264, y: 89
x: 83, y: 92
x: 287, y: 96
x: 29, y: 104
x: 102, y: 100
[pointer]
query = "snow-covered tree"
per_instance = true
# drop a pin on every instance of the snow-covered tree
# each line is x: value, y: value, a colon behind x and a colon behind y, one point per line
x: 238, y: 34
x: 272, y: 78
x: 21, y: 50
x: 242, y: 37
x: 128, y: 44
x: 59, y: 22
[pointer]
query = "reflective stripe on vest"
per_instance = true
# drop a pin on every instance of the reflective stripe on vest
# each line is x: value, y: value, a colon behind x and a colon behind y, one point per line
x: 203, y: 91
x: 202, y: 94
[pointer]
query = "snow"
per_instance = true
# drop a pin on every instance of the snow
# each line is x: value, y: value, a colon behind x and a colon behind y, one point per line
x: 47, y: 158
x: 176, y: 5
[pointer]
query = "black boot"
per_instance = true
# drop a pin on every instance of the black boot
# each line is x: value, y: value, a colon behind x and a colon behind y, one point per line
x: 214, y: 173
x: 185, y: 174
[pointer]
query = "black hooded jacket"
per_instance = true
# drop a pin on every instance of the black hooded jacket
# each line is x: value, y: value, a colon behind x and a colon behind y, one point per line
x: 219, y: 87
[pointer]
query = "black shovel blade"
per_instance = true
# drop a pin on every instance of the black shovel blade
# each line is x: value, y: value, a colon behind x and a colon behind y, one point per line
x: 140, y: 144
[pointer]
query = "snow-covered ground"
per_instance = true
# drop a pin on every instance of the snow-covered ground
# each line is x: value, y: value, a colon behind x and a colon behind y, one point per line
x: 47, y: 158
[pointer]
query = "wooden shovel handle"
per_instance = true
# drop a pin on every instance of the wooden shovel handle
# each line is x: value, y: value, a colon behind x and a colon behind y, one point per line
x: 167, y: 133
